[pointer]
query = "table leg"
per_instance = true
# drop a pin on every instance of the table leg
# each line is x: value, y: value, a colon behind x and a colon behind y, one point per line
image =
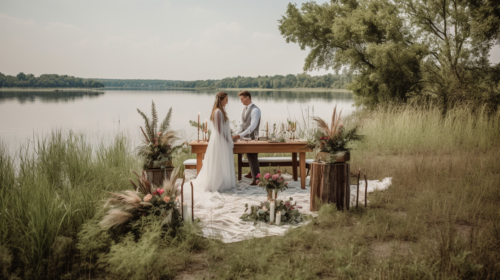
x: 240, y: 161
x: 302, y: 159
x: 294, y: 166
x: 199, y: 162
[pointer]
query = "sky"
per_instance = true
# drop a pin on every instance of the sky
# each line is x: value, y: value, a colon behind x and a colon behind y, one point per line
x: 149, y: 39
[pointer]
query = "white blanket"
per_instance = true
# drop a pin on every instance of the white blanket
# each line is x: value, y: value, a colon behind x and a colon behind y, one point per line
x: 223, y: 220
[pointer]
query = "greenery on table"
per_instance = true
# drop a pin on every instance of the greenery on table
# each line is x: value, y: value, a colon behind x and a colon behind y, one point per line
x: 262, y: 213
x: 158, y: 146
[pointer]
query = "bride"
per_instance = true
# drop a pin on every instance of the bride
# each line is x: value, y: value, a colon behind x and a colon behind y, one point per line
x: 217, y: 173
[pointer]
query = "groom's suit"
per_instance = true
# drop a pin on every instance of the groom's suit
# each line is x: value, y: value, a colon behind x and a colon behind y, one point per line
x: 250, y: 123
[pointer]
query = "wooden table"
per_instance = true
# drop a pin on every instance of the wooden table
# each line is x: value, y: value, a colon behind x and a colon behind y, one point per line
x: 243, y: 147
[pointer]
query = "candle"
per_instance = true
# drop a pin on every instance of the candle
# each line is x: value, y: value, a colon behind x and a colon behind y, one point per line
x: 278, y: 218
x: 271, y: 214
x: 273, y: 195
x: 185, y: 211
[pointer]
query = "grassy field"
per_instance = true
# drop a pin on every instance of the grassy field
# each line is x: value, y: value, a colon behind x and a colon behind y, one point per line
x: 439, y: 220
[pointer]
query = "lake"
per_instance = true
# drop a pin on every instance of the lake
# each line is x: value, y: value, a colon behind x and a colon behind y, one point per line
x: 103, y: 113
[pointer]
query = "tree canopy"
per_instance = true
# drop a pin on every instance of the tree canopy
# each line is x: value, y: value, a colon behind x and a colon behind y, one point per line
x: 402, y: 49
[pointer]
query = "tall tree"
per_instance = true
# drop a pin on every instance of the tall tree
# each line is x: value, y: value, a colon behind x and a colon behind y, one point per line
x: 368, y: 38
x: 402, y: 48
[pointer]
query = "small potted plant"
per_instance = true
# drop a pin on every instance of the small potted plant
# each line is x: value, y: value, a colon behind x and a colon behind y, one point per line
x: 158, y: 147
x: 332, y: 140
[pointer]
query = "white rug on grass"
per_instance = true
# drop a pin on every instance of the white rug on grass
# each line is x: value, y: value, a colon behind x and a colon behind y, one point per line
x: 223, y: 220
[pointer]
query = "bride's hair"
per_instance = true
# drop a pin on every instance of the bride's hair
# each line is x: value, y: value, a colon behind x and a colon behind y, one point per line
x: 219, y: 97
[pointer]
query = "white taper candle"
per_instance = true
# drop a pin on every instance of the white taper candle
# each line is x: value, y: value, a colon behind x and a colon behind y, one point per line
x: 271, y: 214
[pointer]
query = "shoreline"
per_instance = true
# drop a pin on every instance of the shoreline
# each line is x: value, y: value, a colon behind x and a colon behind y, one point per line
x: 176, y: 88
x: 50, y: 89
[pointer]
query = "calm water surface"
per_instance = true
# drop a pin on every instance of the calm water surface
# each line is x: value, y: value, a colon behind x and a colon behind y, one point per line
x: 101, y: 114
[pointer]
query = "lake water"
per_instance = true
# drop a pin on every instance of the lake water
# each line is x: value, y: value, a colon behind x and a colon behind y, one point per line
x: 24, y: 115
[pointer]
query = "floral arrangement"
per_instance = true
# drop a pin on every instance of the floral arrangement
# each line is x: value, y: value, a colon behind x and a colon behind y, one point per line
x: 158, y: 145
x: 333, y: 138
x: 289, y: 212
x: 270, y: 182
x: 130, y: 206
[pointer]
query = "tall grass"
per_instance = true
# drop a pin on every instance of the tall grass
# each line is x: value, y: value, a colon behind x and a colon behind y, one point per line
x: 412, y: 129
x: 59, y: 185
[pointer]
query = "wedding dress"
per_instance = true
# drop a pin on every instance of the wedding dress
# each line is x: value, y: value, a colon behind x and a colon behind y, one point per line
x: 217, y: 173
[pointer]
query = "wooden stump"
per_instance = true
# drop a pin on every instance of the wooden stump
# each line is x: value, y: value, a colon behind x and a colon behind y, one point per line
x: 157, y: 175
x: 330, y: 184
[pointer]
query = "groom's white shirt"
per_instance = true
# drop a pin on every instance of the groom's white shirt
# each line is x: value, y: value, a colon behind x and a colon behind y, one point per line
x: 255, y: 117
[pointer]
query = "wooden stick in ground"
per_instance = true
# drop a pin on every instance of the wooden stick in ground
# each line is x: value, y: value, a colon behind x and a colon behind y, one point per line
x: 192, y: 202
x: 357, y: 189
x: 366, y: 188
x: 182, y: 196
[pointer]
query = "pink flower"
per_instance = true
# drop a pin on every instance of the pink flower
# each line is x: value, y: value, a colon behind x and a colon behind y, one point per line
x: 322, y: 138
x: 275, y: 177
x: 166, y: 199
x: 155, y: 193
x: 327, y: 138
x: 267, y: 176
x: 159, y: 133
x: 286, y: 184
x: 257, y: 181
x: 279, y: 172
x: 341, y: 125
x: 160, y: 191
x: 300, y: 207
x: 258, y: 176
x: 148, y: 197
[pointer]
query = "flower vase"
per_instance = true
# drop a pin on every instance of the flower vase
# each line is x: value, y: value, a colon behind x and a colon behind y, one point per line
x: 270, y: 195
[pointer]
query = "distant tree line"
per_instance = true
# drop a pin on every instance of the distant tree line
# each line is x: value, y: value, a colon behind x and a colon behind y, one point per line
x: 269, y: 82
x: 47, y: 81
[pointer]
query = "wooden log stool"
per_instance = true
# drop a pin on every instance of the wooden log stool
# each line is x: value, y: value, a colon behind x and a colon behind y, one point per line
x: 330, y: 184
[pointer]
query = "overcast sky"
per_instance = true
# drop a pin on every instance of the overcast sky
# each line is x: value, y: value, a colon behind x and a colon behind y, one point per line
x: 148, y: 39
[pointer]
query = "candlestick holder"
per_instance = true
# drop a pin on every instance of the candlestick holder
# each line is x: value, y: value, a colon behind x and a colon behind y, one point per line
x: 198, y: 133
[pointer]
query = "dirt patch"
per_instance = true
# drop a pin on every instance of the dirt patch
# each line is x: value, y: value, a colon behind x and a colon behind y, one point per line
x: 384, y: 250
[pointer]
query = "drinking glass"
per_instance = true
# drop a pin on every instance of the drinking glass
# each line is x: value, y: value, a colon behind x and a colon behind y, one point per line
x: 256, y: 135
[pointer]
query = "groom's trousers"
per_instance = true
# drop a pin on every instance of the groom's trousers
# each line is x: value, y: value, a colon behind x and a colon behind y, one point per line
x: 253, y: 162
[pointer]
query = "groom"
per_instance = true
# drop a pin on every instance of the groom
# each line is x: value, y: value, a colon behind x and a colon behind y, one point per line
x: 249, y: 124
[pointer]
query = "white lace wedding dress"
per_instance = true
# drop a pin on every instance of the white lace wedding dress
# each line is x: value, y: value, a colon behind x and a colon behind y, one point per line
x: 217, y: 173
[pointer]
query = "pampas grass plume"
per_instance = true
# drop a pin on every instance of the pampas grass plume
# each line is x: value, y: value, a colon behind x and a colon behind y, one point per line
x: 115, y: 217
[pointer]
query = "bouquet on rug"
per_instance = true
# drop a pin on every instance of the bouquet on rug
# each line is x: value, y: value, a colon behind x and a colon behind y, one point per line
x: 288, y: 212
x: 129, y: 207
x: 158, y: 146
x: 272, y: 182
